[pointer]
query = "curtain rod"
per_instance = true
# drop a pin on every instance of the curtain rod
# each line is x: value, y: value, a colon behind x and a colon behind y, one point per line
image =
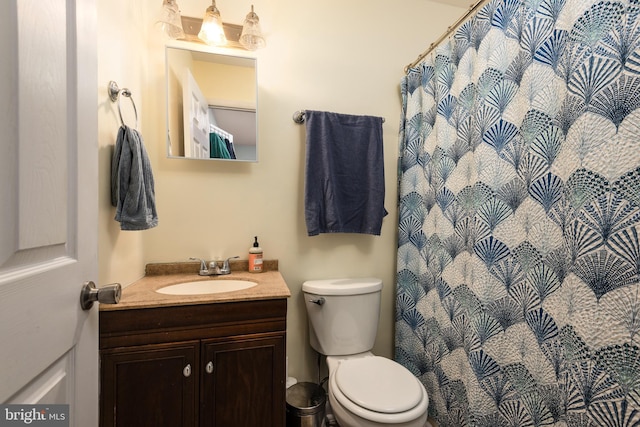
x: 472, y: 9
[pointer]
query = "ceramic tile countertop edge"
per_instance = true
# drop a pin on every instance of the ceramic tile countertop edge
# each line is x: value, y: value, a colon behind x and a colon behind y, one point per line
x: 141, y: 294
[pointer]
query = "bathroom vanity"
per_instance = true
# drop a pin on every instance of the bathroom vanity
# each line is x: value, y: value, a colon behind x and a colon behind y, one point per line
x: 195, y: 360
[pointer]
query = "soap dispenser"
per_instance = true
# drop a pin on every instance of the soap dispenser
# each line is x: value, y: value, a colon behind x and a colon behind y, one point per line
x: 255, y: 257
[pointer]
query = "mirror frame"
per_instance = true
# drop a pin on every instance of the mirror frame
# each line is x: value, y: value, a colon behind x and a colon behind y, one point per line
x: 174, y: 100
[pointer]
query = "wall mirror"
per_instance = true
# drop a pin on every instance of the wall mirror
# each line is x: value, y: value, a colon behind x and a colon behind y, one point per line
x: 211, y: 106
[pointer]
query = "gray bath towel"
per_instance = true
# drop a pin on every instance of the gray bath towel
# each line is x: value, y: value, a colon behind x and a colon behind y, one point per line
x: 132, y: 191
x: 344, y: 185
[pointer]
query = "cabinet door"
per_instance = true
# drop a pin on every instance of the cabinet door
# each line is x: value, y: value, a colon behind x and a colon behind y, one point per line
x: 243, y: 384
x: 151, y: 385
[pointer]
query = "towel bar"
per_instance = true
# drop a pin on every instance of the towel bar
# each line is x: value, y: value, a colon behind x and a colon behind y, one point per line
x: 114, y: 95
x: 298, y: 117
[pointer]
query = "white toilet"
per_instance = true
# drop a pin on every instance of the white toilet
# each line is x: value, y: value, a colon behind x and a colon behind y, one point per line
x: 364, y: 390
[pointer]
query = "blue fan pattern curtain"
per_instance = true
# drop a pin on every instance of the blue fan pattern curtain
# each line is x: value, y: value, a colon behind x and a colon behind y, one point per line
x: 518, y: 295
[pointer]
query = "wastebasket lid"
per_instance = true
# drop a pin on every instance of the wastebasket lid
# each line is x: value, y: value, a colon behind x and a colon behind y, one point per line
x: 306, y: 398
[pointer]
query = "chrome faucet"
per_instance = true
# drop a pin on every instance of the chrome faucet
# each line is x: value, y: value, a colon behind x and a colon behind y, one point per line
x: 207, y: 270
x: 226, y: 269
x: 212, y: 269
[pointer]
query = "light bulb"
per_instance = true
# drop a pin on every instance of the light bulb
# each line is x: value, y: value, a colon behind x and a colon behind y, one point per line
x: 170, y: 22
x: 211, y: 31
x: 251, y: 37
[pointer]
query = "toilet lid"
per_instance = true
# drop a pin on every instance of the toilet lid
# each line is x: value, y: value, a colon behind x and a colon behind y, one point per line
x: 378, y: 384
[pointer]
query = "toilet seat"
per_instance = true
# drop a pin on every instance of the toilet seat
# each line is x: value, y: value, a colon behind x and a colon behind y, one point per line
x: 378, y: 389
x: 378, y: 384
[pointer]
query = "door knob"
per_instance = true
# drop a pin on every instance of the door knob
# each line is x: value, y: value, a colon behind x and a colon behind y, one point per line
x: 109, y: 294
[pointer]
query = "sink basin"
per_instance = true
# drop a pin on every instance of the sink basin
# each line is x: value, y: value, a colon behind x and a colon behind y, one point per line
x: 201, y: 287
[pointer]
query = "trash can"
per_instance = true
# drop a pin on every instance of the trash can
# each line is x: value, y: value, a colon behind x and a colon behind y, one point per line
x: 305, y: 405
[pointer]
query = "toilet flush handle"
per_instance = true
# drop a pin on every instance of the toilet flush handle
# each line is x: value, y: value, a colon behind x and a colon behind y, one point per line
x: 319, y: 301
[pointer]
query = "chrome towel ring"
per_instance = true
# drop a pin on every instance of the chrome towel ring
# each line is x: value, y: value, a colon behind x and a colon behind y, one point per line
x: 114, y: 95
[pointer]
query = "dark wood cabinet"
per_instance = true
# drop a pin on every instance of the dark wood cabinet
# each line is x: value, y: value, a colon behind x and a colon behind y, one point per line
x: 209, y: 365
x: 240, y: 380
x: 150, y: 385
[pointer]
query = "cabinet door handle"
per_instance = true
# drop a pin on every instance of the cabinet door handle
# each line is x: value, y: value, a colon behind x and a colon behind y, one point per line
x: 209, y: 368
x: 187, y: 370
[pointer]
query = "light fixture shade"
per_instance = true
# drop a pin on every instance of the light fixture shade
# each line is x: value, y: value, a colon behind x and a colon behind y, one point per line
x: 211, y: 31
x: 170, y: 22
x: 251, y: 37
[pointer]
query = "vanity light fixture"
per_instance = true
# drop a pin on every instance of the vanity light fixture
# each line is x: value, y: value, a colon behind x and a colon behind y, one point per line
x: 211, y: 31
x: 170, y: 22
x: 251, y: 37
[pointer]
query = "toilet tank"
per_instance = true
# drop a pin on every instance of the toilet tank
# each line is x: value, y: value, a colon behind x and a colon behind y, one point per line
x: 343, y: 314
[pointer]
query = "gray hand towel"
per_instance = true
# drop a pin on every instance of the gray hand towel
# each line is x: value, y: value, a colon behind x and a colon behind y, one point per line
x: 132, y: 186
x: 344, y: 184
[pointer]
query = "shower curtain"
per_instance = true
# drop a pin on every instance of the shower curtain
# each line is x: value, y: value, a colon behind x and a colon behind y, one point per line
x: 518, y: 294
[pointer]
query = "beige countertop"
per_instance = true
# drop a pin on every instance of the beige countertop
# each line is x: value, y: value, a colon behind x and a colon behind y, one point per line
x: 141, y: 294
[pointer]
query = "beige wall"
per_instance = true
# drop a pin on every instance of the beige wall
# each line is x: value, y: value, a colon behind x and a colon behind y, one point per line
x: 233, y: 86
x: 121, y: 52
x: 346, y: 57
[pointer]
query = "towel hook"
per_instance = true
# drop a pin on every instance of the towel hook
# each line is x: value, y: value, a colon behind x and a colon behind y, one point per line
x: 114, y: 95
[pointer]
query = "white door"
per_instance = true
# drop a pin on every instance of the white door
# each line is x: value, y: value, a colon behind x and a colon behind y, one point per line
x: 196, y: 119
x: 48, y: 205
